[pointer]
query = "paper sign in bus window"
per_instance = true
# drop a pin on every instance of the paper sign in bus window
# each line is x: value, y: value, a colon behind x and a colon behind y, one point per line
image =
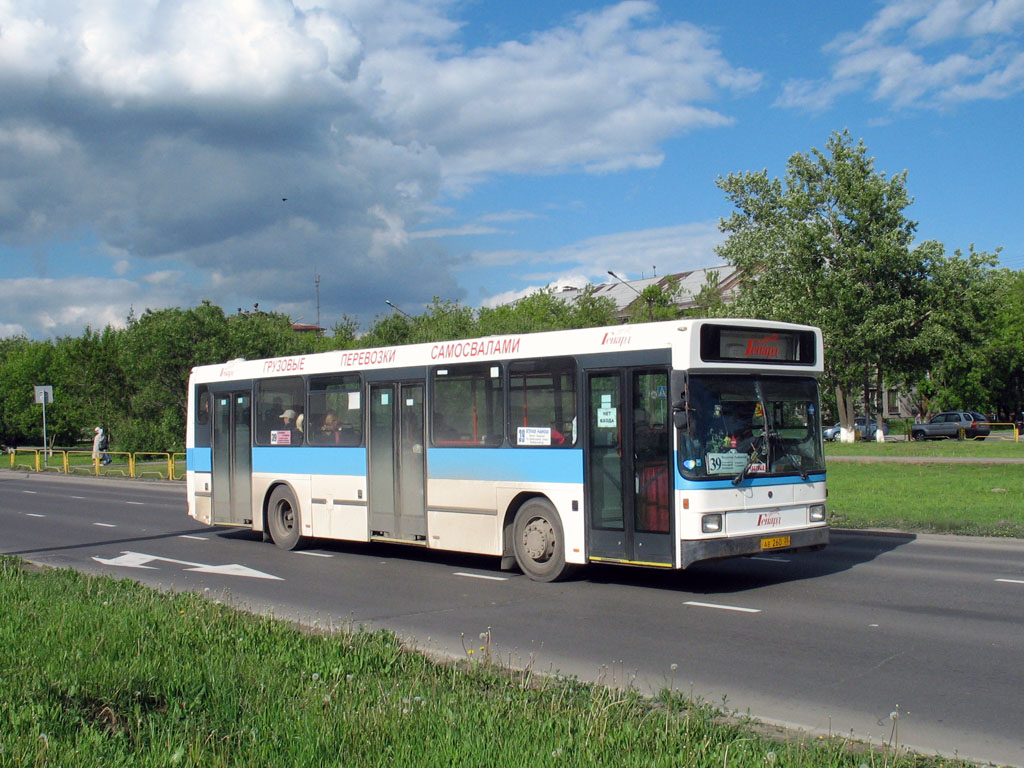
x: 281, y: 437
x: 533, y: 436
x: 607, y: 418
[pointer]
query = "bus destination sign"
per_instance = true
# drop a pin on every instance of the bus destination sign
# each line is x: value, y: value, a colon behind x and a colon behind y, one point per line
x: 756, y: 345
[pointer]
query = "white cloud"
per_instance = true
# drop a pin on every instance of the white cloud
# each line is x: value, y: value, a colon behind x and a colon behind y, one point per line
x: 597, y: 94
x: 629, y: 254
x: 230, y: 150
x: 923, y: 54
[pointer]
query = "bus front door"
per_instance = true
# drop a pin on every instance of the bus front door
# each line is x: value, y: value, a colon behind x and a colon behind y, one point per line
x: 629, y: 467
x: 396, y: 461
x: 231, y: 436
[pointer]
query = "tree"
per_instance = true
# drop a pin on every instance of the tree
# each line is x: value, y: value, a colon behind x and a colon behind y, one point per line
x: 158, y: 353
x: 90, y: 381
x: 831, y: 247
x: 543, y: 311
x: 24, y: 364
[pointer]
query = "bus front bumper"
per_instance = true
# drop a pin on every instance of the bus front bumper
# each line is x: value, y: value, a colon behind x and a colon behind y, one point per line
x: 806, y: 539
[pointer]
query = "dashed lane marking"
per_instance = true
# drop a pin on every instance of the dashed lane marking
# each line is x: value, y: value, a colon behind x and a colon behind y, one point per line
x: 697, y: 604
x: 315, y: 554
x: 197, y: 538
x: 105, y: 525
x: 1011, y: 581
x: 480, y: 576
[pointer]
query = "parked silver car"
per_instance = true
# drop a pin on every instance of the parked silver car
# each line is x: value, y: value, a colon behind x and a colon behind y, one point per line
x: 952, y: 424
x: 832, y: 433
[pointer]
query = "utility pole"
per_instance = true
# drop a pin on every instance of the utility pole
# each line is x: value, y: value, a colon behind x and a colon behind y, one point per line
x: 316, y: 283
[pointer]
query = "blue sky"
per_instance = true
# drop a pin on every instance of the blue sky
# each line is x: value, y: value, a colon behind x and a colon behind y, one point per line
x: 158, y: 154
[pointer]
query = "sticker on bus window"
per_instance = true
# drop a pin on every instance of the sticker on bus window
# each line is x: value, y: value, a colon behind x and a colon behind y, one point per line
x: 607, y: 418
x: 353, y: 401
x: 385, y: 398
x: 533, y: 436
x: 281, y: 437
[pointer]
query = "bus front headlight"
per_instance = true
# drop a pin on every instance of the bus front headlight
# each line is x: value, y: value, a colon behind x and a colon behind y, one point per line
x: 711, y: 523
x: 817, y: 513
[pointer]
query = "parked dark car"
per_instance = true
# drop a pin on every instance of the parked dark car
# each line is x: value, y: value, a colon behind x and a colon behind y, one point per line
x: 832, y: 433
x: 952, y: 424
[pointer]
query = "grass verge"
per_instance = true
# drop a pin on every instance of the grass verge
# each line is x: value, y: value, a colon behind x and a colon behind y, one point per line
x: 969, y: 499
x: 944, y: 449
x: 99, y: 672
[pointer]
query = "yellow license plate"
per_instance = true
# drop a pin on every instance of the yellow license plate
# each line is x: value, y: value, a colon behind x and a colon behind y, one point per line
x: 776, y: 542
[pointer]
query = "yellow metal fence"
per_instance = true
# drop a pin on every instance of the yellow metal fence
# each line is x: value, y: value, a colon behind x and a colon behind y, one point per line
x: 163, y: 466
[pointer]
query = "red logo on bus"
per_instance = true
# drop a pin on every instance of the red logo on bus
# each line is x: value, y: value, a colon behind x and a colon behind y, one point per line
x: 768, y: 347
x: 769, y: 518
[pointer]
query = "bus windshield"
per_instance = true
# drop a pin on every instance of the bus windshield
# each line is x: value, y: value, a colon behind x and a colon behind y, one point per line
x: 741, y: 426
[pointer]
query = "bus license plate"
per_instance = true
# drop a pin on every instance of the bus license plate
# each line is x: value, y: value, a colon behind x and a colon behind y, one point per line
x: 776, y: 542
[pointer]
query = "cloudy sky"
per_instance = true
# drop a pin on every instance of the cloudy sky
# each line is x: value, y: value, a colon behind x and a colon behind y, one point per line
x: 156, y: 153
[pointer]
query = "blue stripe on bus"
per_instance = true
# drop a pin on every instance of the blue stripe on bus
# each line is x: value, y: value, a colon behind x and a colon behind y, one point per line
x: 684, y: 484
x: 199, y: 459
x: 538, y: 465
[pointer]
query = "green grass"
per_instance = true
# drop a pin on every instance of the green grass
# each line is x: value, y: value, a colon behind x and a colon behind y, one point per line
x: 970, y: 499
x: 956, y: 449
x: 98, y: 672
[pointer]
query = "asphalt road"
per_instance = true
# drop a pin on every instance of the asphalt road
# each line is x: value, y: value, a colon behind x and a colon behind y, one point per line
x: 931, y: 627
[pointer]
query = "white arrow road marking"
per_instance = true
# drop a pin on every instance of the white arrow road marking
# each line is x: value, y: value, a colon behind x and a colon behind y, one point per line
x: 139, y: 560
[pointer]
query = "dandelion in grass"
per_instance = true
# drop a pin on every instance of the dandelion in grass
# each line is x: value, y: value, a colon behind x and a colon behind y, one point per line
x: 556, y: 752
x: 770, y: 758
x: 315, y: 676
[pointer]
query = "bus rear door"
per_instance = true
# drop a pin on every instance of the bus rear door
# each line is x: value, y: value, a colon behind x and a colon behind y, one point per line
x: 231, y: 485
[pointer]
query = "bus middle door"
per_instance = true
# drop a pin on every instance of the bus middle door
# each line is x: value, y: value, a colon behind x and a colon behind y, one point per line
x: 396, y: 461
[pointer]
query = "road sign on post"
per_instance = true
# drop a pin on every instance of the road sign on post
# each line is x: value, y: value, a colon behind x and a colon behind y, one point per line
x: 44, y: 395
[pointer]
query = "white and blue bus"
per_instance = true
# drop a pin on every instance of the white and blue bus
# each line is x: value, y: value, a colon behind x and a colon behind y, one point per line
x: 656, y: 445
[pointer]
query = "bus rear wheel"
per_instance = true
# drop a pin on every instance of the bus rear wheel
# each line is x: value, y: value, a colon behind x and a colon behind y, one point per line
x: 283, y: 518
x: 539, y: 542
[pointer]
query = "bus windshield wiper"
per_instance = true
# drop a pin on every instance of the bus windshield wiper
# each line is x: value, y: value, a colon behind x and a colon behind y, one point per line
x: 756, y: 452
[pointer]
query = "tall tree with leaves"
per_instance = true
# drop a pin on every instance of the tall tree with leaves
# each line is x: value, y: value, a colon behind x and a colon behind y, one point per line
x: 830, y: 246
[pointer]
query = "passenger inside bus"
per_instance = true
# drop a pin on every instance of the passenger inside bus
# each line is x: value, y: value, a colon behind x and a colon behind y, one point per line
x: 330, y: 430
x: 290, y: 423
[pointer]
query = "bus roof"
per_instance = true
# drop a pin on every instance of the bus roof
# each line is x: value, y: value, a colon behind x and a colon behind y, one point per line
x: 681, y: 336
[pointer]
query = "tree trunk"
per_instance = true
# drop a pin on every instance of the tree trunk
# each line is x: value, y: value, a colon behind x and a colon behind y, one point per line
x: 844, y: 403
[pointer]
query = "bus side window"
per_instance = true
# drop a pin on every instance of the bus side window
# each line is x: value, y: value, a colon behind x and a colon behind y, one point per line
x: 468, y: 405
x: 542, y: 403
x: 202, y: 404
x: 335, y: 410
x: 280, y: 409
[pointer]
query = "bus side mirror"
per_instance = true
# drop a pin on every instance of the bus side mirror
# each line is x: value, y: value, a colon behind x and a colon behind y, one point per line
x: 680, y: 416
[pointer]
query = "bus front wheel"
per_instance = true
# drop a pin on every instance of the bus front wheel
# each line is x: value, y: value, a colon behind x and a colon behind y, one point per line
x: 539, y: 541
x: 283, y: 518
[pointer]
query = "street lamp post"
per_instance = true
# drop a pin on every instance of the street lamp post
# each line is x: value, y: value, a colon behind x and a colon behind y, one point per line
x: 398, y: 309
x: 650, y: 307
